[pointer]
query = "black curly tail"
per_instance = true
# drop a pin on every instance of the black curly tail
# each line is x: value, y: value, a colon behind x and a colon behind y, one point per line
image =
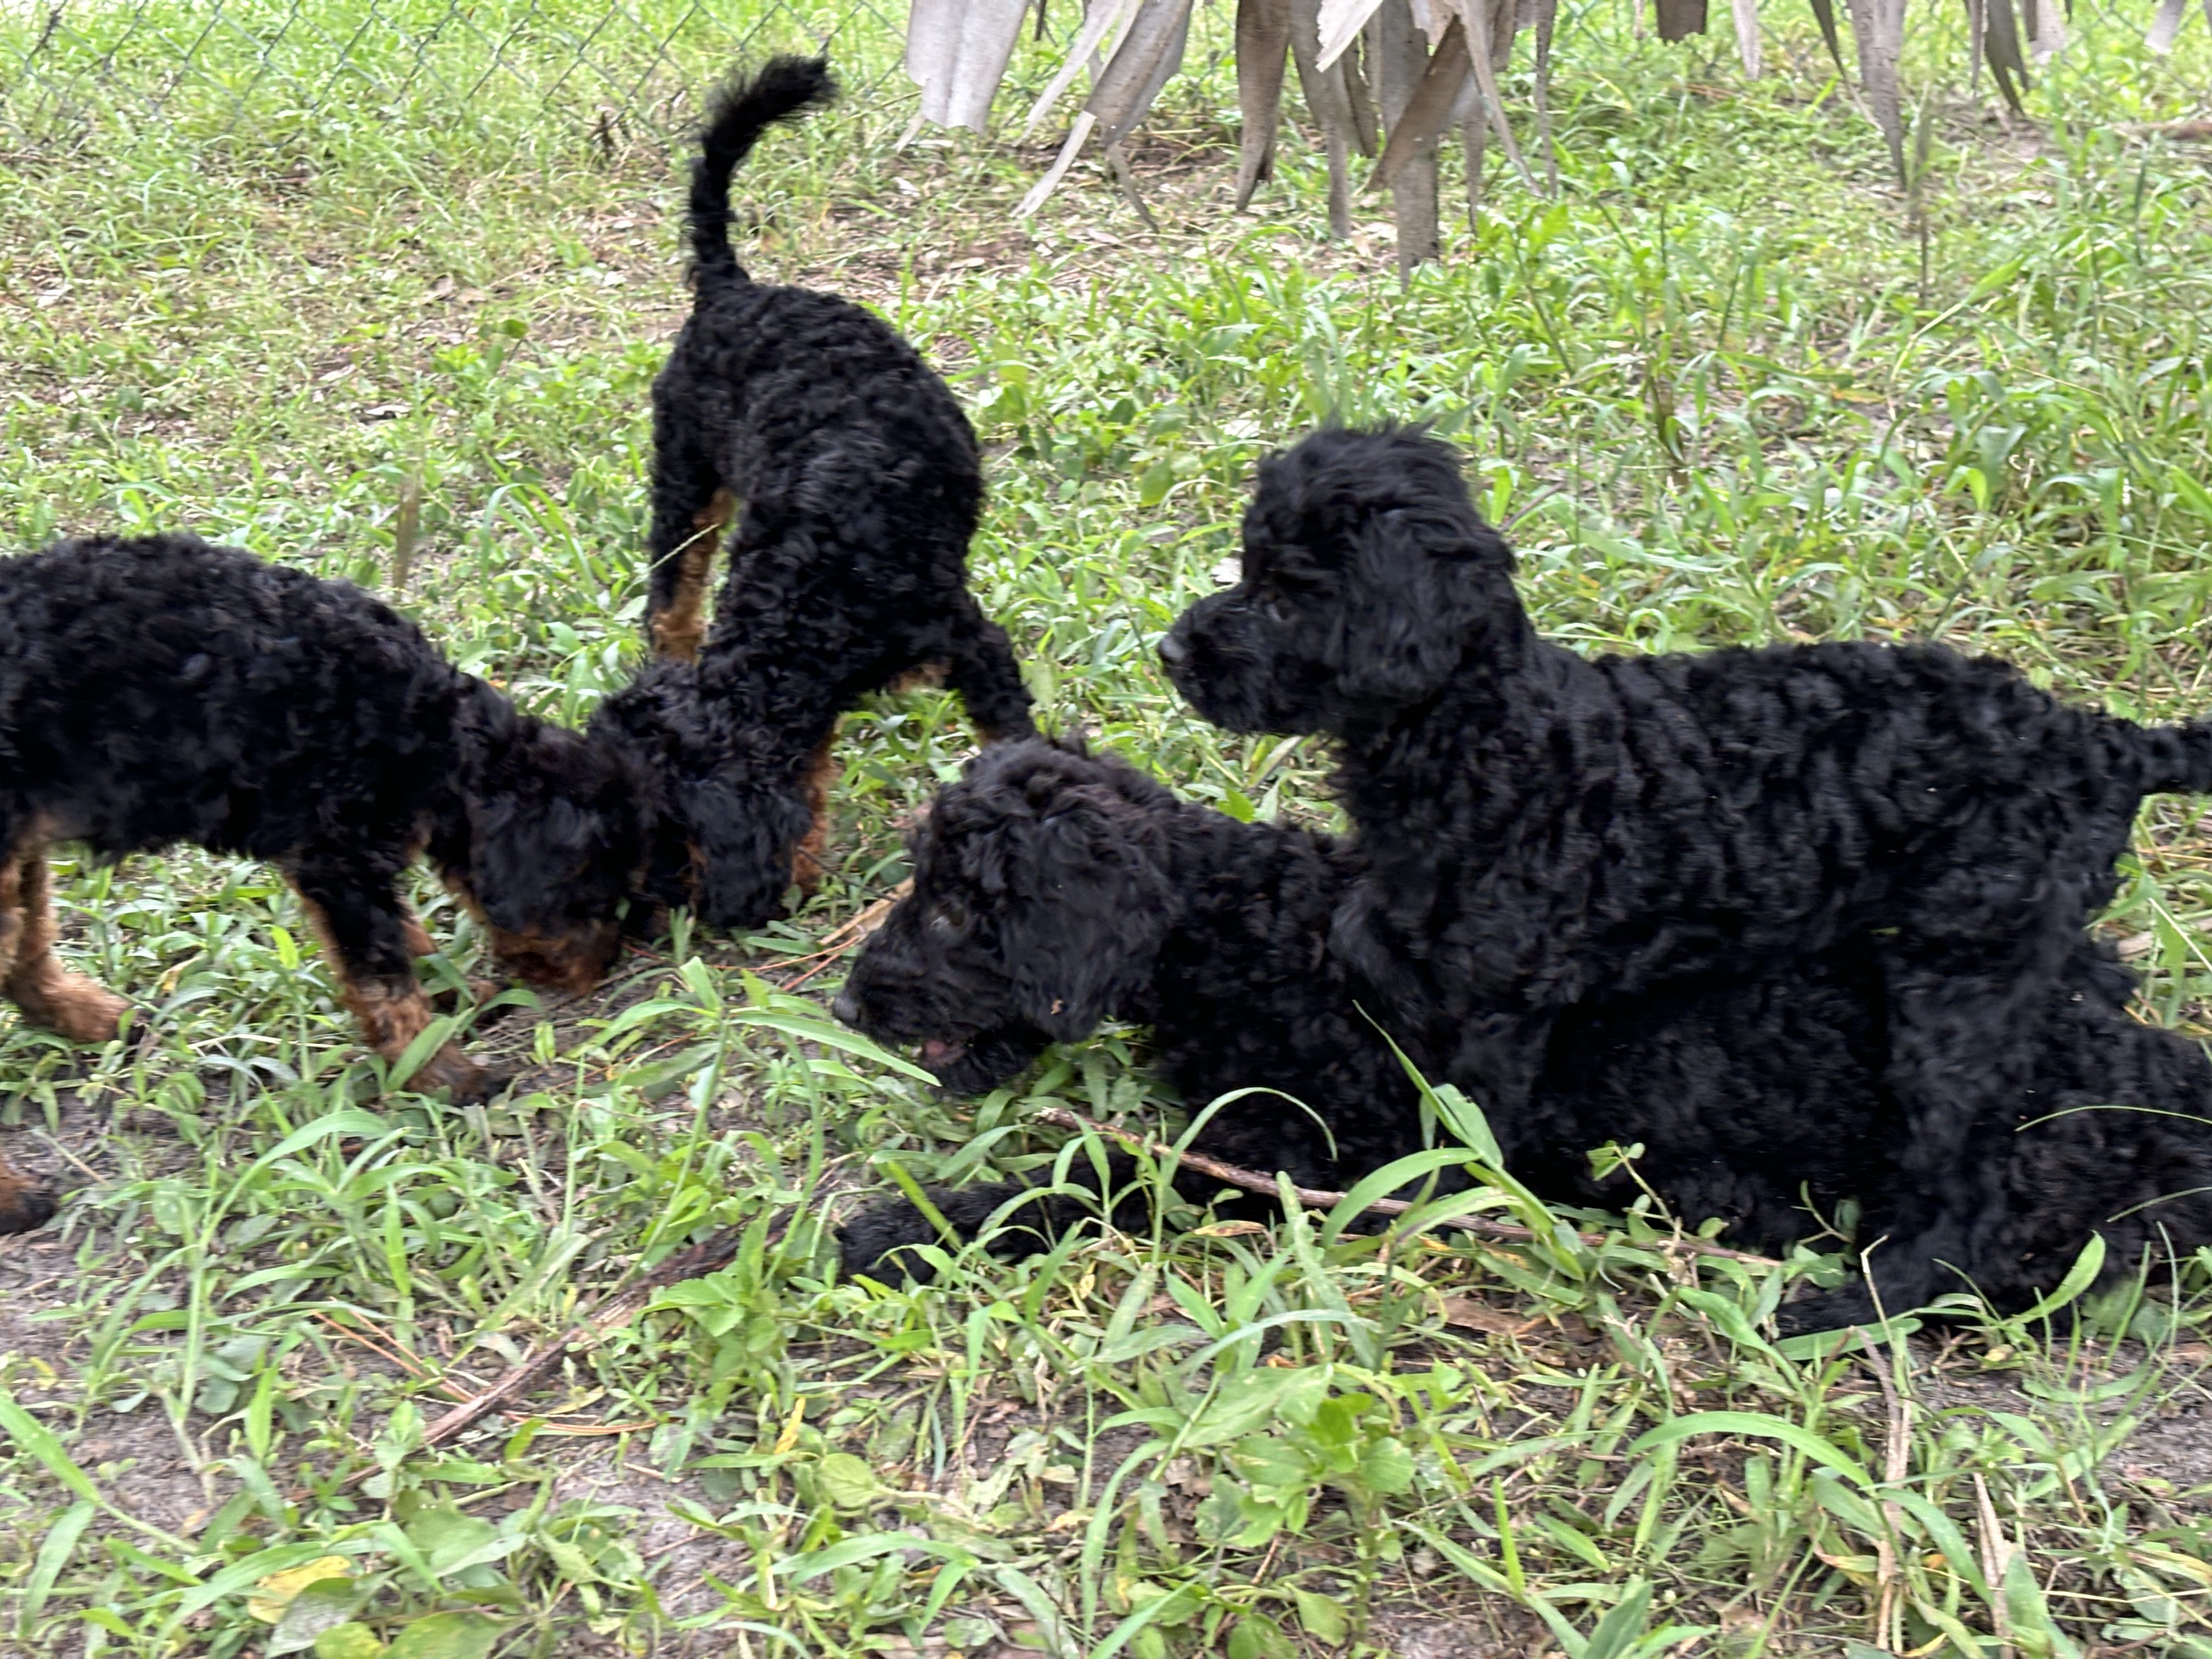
x: 784, y: 89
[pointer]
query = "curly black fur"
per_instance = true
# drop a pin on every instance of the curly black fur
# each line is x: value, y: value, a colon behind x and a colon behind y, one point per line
x: 860, y: 488
x: 162, y: 690
x: 1545, y: 828
x: 1054, y: 889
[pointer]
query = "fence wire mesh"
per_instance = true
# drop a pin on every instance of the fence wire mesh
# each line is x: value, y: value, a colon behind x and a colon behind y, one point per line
x: 614, y: 69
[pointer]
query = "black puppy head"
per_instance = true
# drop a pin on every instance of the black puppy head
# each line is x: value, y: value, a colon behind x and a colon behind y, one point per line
x: 555, y: 839
x: 1042, y: 895
x: 1368, y: 580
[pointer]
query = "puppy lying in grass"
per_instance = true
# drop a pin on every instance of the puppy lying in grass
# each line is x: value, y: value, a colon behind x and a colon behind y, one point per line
x: 1055, y: 889
x: 163, y: 690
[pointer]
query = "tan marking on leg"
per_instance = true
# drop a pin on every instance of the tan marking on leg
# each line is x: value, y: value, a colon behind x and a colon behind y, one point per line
x: 392, y: 1015
x: 419, y: 942
x: 806, y: 858
x: 679, y: 627
x: 82, y: 1010
x: 11, y: 913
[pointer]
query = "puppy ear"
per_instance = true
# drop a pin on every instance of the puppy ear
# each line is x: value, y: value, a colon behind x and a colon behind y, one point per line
x: 1089, y: 903
x: 531, y: 854
x: 741, y: 838
x: 1424, y: 599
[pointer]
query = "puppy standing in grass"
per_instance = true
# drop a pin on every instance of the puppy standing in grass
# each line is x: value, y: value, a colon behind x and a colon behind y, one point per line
x: 1054, y: 889
x: 1544, y: 829
x: 849, y: 482
x: 162, y: 689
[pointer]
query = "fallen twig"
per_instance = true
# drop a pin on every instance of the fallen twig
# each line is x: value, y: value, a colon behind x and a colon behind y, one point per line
x: 420, y: 1370
x: 1315, y: 1198
x: 617, y: 1308
x: 852, y: 931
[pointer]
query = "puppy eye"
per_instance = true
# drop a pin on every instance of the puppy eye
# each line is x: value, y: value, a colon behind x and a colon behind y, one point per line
x: 948, y: 919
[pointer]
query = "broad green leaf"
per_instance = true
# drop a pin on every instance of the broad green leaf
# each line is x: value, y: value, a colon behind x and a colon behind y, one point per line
x: 1387, y: 1468
x: 241, y: 1575
x: 846, y: 1480
x: 319, y: 1607
x: 445, y: 1636
x: 1323, y: 1620
x: 277, y: 1588
x: 349, y: 1642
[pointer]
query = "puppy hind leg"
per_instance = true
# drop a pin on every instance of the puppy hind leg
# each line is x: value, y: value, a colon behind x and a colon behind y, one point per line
x: 363, y: 931
x: 807, y: 865
x: 1964, y: 1037
x: 683, y: 542
x: 1498, y: 1062
x: 80, y: 1009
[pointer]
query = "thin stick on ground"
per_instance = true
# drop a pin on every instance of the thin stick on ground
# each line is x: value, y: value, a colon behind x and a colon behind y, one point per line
x: 617, y: 1308
x: 1316, y: 1198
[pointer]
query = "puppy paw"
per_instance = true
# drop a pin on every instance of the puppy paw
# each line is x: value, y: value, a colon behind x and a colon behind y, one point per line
x: 460, y: 1079
x: 24, y: 1204
x: 877, y: 1243
x: 71, y: 1006
x: 1828, y: 1311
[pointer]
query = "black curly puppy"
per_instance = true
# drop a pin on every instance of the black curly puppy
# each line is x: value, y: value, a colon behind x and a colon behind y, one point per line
x: 1054, y: 889
x: 1544, y: 829
x: 162, y: 689
x: 860, y: 489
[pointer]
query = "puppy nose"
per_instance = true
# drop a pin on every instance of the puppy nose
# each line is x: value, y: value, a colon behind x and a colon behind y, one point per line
x: 846, y: 1008
x: 1173, y: 652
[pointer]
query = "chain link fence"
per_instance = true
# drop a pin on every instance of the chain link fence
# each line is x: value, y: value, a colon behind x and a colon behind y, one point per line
x: 616, y: 70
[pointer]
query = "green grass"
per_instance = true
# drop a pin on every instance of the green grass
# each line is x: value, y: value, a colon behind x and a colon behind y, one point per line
x: 1722, y: 399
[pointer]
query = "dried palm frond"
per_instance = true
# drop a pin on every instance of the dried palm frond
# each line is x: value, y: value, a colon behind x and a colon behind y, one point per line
x: 1423, y: 65
x: 957, y: 51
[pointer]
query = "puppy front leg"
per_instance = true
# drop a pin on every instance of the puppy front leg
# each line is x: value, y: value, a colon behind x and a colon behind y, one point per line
x: 25, y: 1201
x: 364, y: 932
x: 80, y: 1009
x: 1498, y: 1062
